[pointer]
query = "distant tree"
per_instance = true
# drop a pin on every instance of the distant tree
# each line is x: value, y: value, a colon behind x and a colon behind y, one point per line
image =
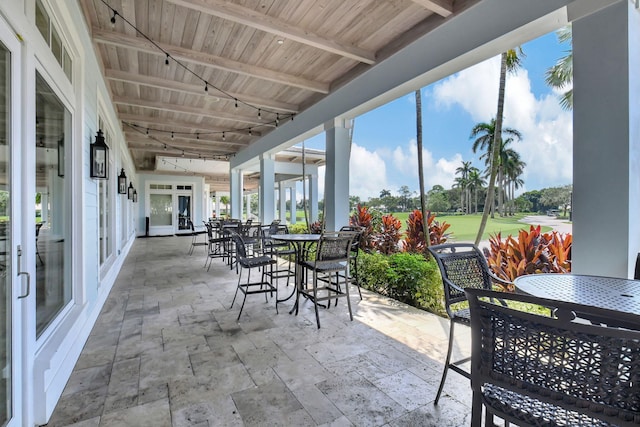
x: 384, y: 193
x: 556, y: 197
x: 463, y: 182
x: 353, y: 202
x: 405, y: 196
x: 476, y: 181
x: 438, y: 202
x: 560, y: 75
x: 509, y: 61
x: 225, y: 201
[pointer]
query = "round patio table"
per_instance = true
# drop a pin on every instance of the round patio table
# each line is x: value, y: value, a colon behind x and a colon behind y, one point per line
x: 299, y: 242
x: 598, y: 291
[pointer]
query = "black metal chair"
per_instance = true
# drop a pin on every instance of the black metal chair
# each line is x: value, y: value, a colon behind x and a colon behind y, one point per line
x: 332, y: 257
x: 353, y: 254
x: 216, y: 243
x: 195, y: 237
x: 250, y: 262
x: 278, y: 250
x: 557, y: 370
x: 462, y: 266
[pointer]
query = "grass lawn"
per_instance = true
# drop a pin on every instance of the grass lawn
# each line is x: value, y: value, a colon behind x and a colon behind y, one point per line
x: 465, y: 227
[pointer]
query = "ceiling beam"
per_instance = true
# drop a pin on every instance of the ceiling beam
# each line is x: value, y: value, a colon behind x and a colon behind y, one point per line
x: 154, y: 141
x: 187, y: 55
x: 249, y: 17
x: 164, y: 84
x: 441, y: 7
x: 191, y: 126
x: 202, y: 112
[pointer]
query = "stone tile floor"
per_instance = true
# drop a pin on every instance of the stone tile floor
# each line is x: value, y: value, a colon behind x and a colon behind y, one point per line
x: 167, y: 350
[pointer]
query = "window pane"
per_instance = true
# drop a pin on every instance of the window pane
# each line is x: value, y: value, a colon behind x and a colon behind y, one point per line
x: 42, y: 21
x: 161, y: 209
x: 53, y: 241
x: 56, y: 45
x: 67, y: 65
x: 5, y: 235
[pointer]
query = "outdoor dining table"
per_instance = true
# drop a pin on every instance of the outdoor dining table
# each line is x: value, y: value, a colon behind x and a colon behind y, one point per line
x: 300, y: 243
x: 598, y: 291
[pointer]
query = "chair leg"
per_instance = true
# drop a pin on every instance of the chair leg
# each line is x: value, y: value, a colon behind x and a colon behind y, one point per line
x: 446, y: 363
x: 355, y: 275
x: 315, y: 297
x: 346, y: 289
x: 476, y: 410
x: 237, y: 288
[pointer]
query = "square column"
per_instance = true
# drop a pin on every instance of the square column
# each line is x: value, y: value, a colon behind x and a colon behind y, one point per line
x: 236, y: 184
x: 313, y: 198
x: 282, y: 198
x: 267, y: 189
x: 336, y: 188
x: 606, y: 141
x: 292, y: 206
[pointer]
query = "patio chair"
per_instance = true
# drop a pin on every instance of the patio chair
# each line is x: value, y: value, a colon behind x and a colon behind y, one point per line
x: 276, y: 250
x: 353, y: 253
x: 462, y: 266
x: 216, y: 243
x: 332, y: 257
x: 247, y: 262
x: 195, y: 237
x: 556, y: 370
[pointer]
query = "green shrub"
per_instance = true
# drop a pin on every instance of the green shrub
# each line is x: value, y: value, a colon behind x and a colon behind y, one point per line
x: 298, y: 228
x: 406, y: 277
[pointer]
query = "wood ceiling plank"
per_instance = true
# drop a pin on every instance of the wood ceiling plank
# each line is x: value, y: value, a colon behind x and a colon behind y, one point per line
x: 165, y: 106
x: 183, y: 54
x: 193, y: 127
x: 162, y: 83
x: 260, y: 21
x: 443, y: 8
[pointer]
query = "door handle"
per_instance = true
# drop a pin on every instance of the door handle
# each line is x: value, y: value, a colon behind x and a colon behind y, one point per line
x: 23, y: 273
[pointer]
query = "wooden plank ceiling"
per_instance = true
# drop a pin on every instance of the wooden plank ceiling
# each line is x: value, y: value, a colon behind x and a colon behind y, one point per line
x: 261, y: 62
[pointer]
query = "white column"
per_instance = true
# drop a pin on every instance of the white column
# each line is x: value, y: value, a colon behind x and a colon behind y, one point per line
x: 247, y: 203
x: 313, y: 197
x: 606, y: 141
x: 292, y: 205
x: 282, y: 198
x: 336, y: 188
x: 236, y: 193
x: 267, y: 189
x: 217, y: 204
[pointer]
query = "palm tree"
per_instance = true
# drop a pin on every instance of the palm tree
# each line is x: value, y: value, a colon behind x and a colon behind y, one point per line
x: 423, y: 201
x: 513, y: 168
x: 464, y: 191
x: 485, y: 135
x: 509, y: 61
x: 560, y: 75
x: 476, y: 181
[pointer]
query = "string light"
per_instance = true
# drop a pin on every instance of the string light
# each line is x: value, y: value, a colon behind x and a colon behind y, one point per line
x: 259, y: 113
x: 185, y: 67
x: 224, y: 138
x: 113, y: 18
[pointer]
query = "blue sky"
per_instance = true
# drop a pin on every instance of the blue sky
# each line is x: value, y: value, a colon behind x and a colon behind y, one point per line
x: 384, y: 138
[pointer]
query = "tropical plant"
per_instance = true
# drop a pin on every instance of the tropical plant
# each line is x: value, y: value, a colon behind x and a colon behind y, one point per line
x: 532, y: 252
x: 463, y: 183
x: 363, y: 219
x: 560, y: 75
x: 414, y: 237
x: 509, y: 61
x: 386, y: 241
x: 476, y: 182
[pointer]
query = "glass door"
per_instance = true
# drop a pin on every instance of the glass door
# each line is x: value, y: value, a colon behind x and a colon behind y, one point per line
x: 10, y: 230
x: 184, y: 213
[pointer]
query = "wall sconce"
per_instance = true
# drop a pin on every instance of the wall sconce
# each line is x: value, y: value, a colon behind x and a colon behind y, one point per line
x: 135, y: 196
x: 130, y: 191
x: 122, y: 182
x: 99, y: 155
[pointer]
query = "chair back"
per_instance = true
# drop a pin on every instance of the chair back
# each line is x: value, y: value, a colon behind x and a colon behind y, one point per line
x: 462, y: 266
x: 334, y: 246
x: 529, y: 365
x: 241, y: 250
x: 356, y: 240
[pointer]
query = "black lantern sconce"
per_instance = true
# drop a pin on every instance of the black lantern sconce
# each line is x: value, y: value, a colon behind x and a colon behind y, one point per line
x: 135, y: 196
x: 122, y: 182
x: 130, y: 191
x: 99, y: 156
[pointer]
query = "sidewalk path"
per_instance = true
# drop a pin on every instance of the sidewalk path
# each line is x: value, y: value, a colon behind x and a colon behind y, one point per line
x: 560, y: 225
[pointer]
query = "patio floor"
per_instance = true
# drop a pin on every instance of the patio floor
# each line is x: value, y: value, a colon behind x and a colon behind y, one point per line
x: 167, y: 351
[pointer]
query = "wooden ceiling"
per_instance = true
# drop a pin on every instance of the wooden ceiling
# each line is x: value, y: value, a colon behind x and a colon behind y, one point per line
x: 271, y: 58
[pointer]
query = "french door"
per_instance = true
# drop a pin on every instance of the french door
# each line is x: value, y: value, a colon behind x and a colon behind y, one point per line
x: 13, y: 275
x: 170, y: 207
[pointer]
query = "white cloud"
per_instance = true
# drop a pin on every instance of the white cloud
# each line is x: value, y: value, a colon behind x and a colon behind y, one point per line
x: 547, y: 130
x: 440, y: 172
x: 368, y: 173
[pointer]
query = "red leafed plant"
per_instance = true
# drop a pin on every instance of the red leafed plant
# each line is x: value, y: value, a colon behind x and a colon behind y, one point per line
x: 532, y: 252
x: 386, y: 241
x: 414, y: 240
x: 363, y: 219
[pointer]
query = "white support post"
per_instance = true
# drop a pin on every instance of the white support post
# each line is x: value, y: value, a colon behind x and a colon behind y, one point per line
x: 236, y: 193
x: 336, y: 188
x: 267, y: 189
x: 606, y: 141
